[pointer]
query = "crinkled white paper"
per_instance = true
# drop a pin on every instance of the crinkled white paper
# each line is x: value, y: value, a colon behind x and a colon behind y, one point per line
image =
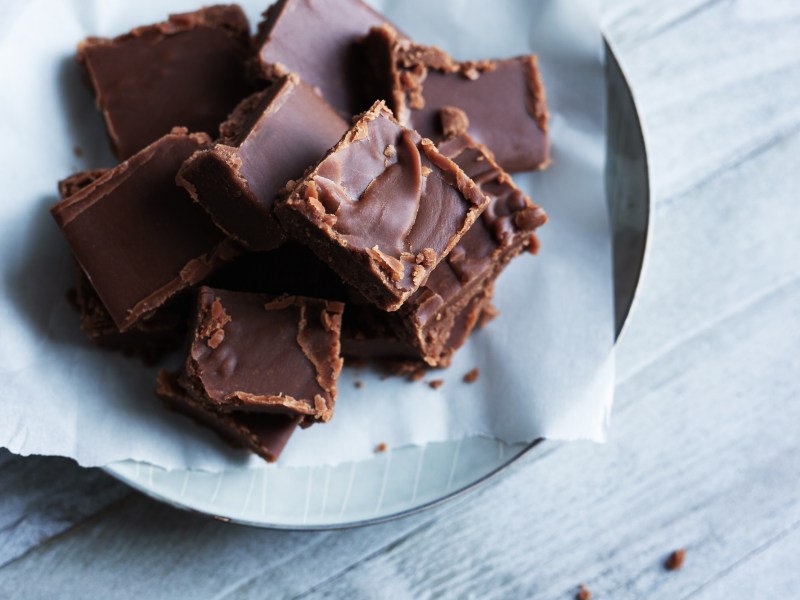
x: 546, y: 363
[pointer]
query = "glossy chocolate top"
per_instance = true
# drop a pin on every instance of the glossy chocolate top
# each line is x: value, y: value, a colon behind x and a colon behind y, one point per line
x: 151, y: 337
x: 316, y: 39
x: 186, y: 72
x: 388, y: 195
x: 249, y: 352
x: 139, y: 237
x: 502, y: 231
x: 269, y: 140
x: 504, y: 100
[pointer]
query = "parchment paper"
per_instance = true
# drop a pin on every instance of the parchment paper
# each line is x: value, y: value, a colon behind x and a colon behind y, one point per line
x: 546, y: 363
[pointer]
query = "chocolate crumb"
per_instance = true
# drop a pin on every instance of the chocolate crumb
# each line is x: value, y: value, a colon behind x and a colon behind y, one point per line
x: 416, y: 375
x: 380, y: 447
x: 488, y: 314
x: 359, y: 384
x: 583, y: 593
x: 216, y: 339
x: 436, y: 384
x: 533, y: 245
x: 530, y: 218
x: 77, y: 151
x: 472, y: 376
x: 454, y: 121
x: 675, y: 560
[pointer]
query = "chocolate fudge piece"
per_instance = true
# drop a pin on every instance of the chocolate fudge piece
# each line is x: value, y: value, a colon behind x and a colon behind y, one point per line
x: 438, y: 317
x: 189, y: 71
x: 503, y: 231
x: 263, y: 433
x: 503, y: 100
x: 382, y: 208
x: 254, y: 353
x: 138, y: 236
x: 317, y: 40
x: 269, y: 140
x: 149, y: 339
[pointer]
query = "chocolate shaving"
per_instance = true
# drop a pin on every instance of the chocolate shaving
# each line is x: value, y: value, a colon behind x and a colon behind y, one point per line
x: 454, y: 121
x: 472, y: 376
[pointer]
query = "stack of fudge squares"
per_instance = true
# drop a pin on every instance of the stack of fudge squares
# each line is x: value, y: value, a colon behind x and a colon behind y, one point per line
x: 326, y: 188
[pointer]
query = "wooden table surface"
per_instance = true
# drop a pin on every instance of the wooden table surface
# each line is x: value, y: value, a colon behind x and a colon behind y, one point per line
x: 705, y: 443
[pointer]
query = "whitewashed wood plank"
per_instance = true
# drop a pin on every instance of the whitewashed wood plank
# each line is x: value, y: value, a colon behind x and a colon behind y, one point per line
x: 710, y: 90
x: 142, y: 549
x: 776, y: 559
x: 723, y: 140
x: 42, y: 497
x: 704, y: 455
x: 636, y: 20
x: 721, y: 245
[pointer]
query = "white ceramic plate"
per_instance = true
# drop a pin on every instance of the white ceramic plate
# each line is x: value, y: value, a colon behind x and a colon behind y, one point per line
x: 413, y: 478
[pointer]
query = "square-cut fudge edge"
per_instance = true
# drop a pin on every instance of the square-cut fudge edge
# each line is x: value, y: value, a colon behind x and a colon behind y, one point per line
x: 238, y: 179
x: 192, y: 273
x: 211, y: 177
x: 505, y: 229
x: 264, y: 434
x: 331, y: 64
x: 371, y: 271
x: 208, y: 329
x: 395, y: 68
x: 149, y: 339
x: 229, y: 18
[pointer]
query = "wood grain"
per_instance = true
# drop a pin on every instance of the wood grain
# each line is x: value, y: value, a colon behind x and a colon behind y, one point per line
x: 705, y: 452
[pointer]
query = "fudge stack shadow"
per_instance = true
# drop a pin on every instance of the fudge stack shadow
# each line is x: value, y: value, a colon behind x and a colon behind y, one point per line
x: 280, y: 205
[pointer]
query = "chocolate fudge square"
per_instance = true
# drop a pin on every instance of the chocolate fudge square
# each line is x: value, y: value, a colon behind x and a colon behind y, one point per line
x: 251, y: 352
x: 269, y: 140
x: 438, y: 318
x: 189, y: 71
x: 317, y: 40
x: 382, y: 208
x: 150, y: 338
x: 504, y: 100
x: 138, y: 236
x: 265, y: 434
x: 504, y: 230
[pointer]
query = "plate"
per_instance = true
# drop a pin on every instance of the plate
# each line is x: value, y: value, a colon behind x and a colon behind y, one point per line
x: 410, y: 479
